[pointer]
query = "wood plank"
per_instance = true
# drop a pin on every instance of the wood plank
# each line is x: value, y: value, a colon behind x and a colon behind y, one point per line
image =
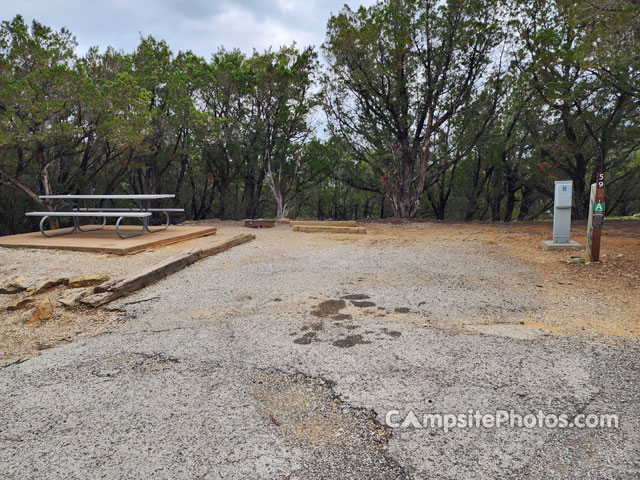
x: 113, y: 289
x: 328, y: 223
x: 330, y: 229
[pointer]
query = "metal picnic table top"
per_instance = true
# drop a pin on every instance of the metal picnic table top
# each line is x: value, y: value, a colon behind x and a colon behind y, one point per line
x: 141, y: 212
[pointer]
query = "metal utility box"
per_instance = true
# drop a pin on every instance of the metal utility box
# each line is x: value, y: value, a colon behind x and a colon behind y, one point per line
x: 562, y: 211
x: 564, y: 190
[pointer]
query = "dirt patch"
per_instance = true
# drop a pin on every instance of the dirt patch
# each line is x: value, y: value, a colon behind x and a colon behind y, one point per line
x: 599, y: 301
x: 328, y: 308
x: 518, y: 331
x: 391, y: 333
x: 306, y: 339
x: 341, y: 316
x: 350, y: 341
x: 363, y: 304
x: 402, y: 310
x: 134, y: 363
x: 305, y: 411
x: 21, y: 340
x: 356, y: 296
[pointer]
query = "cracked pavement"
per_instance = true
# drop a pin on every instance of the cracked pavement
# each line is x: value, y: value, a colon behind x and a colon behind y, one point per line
x: 281, y: 357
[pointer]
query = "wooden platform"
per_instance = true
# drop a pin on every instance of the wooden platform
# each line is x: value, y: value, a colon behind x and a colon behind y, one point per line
x: 106, y: 240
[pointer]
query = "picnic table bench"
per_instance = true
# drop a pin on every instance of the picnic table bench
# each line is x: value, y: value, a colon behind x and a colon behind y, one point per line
x: 140, y: 212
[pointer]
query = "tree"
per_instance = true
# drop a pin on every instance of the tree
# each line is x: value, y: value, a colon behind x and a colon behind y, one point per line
x: 399, y: 71
x: 37, y: 85
x: 585, y: 123
x: 449, y: 108
x: 612, y: 39
x: 111, y: 108
x: 227, y: 136
x: 281, y: 96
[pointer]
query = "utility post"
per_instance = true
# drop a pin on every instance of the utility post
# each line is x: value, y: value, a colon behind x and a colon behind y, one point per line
x: 596, y: 219
x: 562, y: 202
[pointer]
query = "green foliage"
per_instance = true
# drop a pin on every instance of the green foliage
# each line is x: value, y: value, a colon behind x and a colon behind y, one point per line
x: 401, y: 73
x: 465, y: 109
x: 584, y: 117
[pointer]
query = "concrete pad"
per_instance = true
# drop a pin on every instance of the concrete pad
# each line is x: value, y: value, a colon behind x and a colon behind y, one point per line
x: 106, y: 240
x: 549, y: 245
x: 321, y: 228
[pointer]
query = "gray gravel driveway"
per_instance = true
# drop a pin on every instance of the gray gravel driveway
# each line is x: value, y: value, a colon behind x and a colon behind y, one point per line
x: 281, y: 358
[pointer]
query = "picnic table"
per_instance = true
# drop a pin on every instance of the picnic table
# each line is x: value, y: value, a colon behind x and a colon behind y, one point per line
x: 141, y: 211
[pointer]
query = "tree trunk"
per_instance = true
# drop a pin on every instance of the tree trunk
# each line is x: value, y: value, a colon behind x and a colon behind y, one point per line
x: 581, y: 205
x: 253, y: 191
x: 222, y: 205
x: 511, y: 197
x: 178, y: 189
x: 524, y: 204
x: 319, y: 210
x: 282, y: 207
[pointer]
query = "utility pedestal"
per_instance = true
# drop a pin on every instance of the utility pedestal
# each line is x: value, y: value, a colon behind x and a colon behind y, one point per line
x: 562, y: 218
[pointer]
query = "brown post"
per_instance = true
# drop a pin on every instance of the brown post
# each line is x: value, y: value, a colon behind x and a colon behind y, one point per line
x: 592, y: 199
x: 597, y: 215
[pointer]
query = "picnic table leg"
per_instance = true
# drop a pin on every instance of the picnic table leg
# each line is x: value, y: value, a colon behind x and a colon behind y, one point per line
x: 50, y: 235
x: 144, y: 227
x: 166, y: 225
x: 104, y: 222
x: 77, y: 222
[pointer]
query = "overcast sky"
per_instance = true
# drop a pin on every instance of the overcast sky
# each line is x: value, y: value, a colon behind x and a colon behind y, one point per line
x: 199, y: 25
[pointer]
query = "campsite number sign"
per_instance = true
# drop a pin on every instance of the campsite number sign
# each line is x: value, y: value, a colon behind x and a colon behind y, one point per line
x: 598, y: 204
x: 597, y: 219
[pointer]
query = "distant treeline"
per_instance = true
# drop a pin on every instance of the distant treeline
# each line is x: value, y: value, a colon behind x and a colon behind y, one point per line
x: 459, y: 109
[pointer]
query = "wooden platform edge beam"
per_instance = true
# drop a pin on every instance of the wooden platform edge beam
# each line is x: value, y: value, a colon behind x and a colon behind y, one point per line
x: 324, y: 223
x: 328, y: 229
x: 118, y: 288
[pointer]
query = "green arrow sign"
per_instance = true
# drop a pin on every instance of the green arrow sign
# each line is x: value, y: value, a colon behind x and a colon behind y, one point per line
x: 598, y: 207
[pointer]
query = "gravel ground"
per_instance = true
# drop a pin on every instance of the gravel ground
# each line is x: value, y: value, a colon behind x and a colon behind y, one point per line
x: 67, y: 325
x: 281, y: 357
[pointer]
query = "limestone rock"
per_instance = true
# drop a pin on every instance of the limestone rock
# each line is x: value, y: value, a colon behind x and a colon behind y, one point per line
x: 15, y: 285
x: 21, y: 303
x: 49, y: 283
x: 43, y: 311
x: 73, y: 296
x: 87, y: 280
